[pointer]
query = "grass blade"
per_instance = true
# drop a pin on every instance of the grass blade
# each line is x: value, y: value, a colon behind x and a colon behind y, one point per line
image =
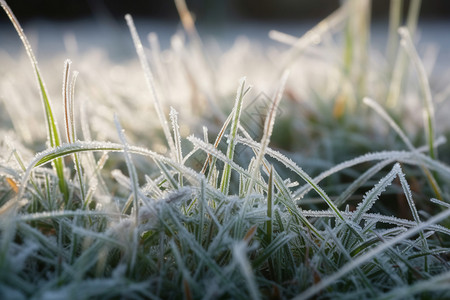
x: 52, y: 128
x: 151, y: 84
x: 268, y: 129
x: 226, y: 174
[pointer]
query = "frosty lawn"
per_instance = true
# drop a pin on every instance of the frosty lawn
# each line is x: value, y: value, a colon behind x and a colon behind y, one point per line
x: 171, y: 188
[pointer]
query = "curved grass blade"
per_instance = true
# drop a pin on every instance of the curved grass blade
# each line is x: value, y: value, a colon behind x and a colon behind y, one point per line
x: 375, y: 106
x: 375, y: 192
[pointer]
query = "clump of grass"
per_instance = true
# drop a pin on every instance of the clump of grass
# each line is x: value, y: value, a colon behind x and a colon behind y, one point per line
x: 235, y: 219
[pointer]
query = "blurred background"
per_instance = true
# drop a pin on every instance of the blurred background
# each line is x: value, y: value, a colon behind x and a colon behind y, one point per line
x: 100, y: 23
x: 210, y: 11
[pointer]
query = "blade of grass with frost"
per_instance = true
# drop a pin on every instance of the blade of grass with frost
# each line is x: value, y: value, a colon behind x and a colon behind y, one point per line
x: 372, y: 196
x: 202, y: 204
x: 131, y: 169
x: 150, y: 83
x: 414, y: 213
x: 52, y: 128
x: 375, y: 106
x: 208, y: 148
x: 376, y: 218
x: 79, y: 146
x: 268, y: 129
x: 437, y: 201
x: 408, y: 45
x: 176, y: 133
x: 177, y: 137
x: 270, y: 196
x: 370, y: 255
x: 69, y: 121
x: 216, y: 144
x: 285, y: 198
x: 185, y: 236
x: 342, y: 198
x: 275, y: 245
x: 293, y: 166
x: 226, y: 173
x: 167, y: 174
x: 401, y: 156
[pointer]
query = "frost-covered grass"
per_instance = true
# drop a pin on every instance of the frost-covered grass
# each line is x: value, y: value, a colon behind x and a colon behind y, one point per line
x: 321, y: 180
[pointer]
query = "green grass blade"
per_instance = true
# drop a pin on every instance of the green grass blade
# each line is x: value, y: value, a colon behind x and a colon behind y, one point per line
x: 226, y: 174
x: 52, y: 129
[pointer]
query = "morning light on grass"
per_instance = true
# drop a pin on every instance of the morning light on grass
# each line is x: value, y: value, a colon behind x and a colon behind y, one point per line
x: 316, y: 168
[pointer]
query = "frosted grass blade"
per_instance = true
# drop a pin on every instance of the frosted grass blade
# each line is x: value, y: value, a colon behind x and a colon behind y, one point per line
x: 399, y: 131
x: 371, y: 254
x: 268, y: 129
x: 151, y: 84
x: 52, y: 128
x: 226, y: 173
x: 177, y: 137
x: 131, y: 170
x: 372, y: 196
x: 69, y: 121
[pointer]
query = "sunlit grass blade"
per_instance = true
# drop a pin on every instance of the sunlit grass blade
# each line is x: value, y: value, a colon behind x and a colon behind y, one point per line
x: 151, y: 84
x: 52, y: 128
x: 69, y: 121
